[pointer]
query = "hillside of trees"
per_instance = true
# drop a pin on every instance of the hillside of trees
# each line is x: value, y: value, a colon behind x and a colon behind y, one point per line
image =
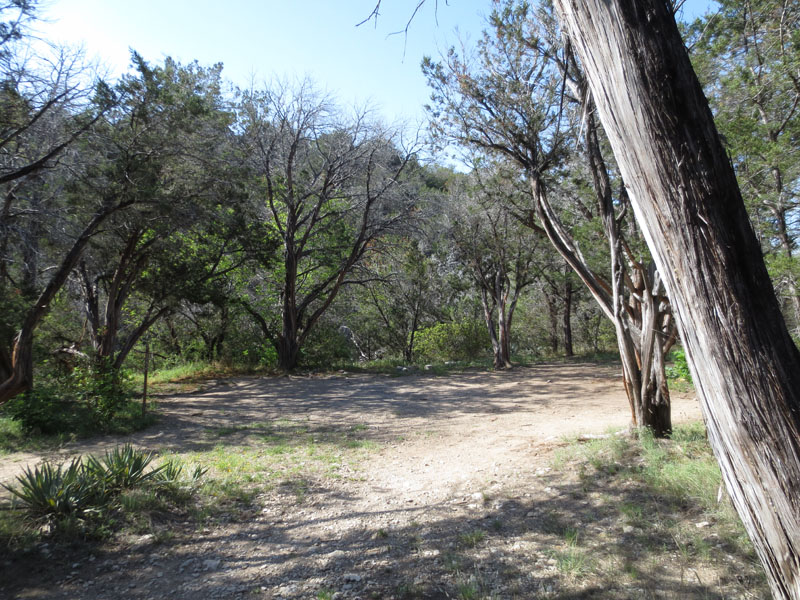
x: 271, y: 227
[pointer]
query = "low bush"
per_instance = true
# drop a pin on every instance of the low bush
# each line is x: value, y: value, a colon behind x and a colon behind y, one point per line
x: 82, y: 492
x: 121, y: 468
x: 58, y: 491
x: 465, y: 340
x: 679, y: 367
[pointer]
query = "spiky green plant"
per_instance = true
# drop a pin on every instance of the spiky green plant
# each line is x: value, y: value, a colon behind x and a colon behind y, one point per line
x: 123, y: 467
x: 49, y: 490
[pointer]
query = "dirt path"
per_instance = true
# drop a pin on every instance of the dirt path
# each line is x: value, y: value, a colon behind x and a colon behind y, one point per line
x: 451, y: 452
x: 479, y: 418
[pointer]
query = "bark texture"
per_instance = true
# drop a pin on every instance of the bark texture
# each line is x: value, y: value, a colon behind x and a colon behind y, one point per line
x: 685, y: 195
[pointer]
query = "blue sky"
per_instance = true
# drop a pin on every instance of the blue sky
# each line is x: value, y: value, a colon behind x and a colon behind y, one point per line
x: 259, y: 39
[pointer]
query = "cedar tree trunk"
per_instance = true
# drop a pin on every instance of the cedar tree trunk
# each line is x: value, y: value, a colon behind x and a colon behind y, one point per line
x: 688, y: 204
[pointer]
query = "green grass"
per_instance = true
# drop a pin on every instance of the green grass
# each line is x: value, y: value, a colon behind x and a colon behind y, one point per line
x: 573, y: 560
x: 676, y: 476
x: 286, y: 454
x: 194, y: 372
x: 470, y: 539
x: 65, y: 421
x: 473, y: 587
x: 13, y: 436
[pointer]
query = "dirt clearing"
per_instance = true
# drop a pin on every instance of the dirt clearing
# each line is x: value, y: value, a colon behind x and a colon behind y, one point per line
x: 379, y: 487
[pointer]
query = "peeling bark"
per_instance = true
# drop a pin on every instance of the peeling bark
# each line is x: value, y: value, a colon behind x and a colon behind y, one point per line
x: 688, y: 204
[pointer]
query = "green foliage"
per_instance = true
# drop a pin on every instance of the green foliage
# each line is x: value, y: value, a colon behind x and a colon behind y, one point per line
x: 56, y: 491
x: 470, y: 539
x: 678, y: 472
x: 326, y: 347
x: 73, y: 495
x: 679, y: 369
x: 464, y: 340
x: 101, y: 388
x: 12, y: 433
x: 81, y: 403
x: 121, y: 468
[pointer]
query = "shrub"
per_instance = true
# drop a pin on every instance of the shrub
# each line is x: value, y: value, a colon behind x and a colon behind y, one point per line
x: 680, y: 367
x: 121, y: 468
x: 326, y: 346
x: 464, y: 340
x: 87, y: 487
x: 102, y: 388
x: 55, y: 491
x: 82, y: 402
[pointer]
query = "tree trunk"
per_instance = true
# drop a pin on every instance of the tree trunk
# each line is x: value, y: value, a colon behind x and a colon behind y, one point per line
x: 503, y: 361
x: 552, y: 311
x: 288, y: 352
x: 567, y: 318
x: 684, y: 192
x: 488, y: 317
x: 21, y: 378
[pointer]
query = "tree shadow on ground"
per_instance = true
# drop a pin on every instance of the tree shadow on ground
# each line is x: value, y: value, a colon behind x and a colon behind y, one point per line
x: 569, y: 537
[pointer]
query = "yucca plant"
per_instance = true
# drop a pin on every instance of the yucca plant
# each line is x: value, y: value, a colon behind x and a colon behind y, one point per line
x: 170, y: 474
x: 122, y: 468
x: 49, y: 490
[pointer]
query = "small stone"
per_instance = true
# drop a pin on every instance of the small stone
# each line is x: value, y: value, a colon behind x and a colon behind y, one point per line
x: 352, y: 577
x: 702, y: 524
x: 211, y: 564
x: 628, y: 529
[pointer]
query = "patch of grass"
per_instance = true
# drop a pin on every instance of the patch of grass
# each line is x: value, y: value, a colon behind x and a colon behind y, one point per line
x: 409, y: 591
x: 571, y: 536
x: 452, y: 562
x: 415, y: 541
x: 573, y: 562
x: 15, y: 530
x: 470, y: 539
x: 468, y: 590
x: 194, y: 372
x: 663, y: 487
x: 140, y: 500
x: 473, y: 587
x: 12, y: 435
x: 360, y: 444
x: 632, y: 513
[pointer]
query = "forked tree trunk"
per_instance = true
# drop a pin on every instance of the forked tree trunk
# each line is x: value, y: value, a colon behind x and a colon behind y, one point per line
x: 649, y: 403
x: 684, y: 192
x: 21, y: 368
